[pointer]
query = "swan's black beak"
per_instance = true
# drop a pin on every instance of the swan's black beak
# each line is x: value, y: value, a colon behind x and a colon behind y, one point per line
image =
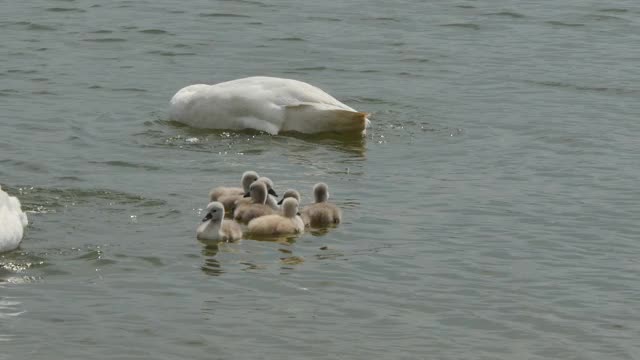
x: 273, y: 192
x: 298, y: 213
x: 280, y: 202
x: 208, y: 217
x: 248, y: 194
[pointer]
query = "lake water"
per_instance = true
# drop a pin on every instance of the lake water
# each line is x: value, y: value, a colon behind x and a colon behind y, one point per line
x: 491, y: 212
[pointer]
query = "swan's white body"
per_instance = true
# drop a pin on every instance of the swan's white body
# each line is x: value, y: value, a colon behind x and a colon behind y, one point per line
x: 265, y: 103
x: 12, y: 222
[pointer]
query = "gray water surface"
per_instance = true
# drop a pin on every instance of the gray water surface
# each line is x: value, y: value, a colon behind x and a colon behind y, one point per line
x: 490, y: 213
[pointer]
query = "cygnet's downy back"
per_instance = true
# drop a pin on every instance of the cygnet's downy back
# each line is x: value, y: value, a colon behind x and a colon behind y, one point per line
x: 322, y: 213
x: 246, y: 212
x: 229, y: 195
x: 291, y: 193
x: 287, y: 223
x: 271, y: 200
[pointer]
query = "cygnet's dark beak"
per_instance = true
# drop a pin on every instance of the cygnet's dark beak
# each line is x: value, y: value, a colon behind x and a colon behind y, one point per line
x: 298, y: 213
x: 280, y: 202
x: 208, y: 217
x: 273, y: 192
x: 248, y: 194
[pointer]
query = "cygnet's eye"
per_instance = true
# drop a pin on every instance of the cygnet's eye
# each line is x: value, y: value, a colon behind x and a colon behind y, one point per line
x: 214, y: 211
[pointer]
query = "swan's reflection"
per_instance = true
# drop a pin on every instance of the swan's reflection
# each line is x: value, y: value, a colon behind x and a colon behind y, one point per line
x: 350, y: 143
x: 287, y: 240
x: 255, y: 244
x: 211, y: 266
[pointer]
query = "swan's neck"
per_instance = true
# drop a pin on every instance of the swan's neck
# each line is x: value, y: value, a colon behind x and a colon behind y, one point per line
x: 272, y: 203
x: 246, y: 186
x: 321, y: 197
x: 290, y: 212
x: 259, y: 199
x: 209, y: 229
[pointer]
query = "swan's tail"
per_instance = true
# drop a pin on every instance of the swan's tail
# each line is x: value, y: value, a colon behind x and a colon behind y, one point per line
x: 315, y: 118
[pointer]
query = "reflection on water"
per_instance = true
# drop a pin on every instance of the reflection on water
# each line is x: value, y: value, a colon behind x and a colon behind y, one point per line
x: 211, y: 250
x: 9, y: 308
x: 292, y: 260
x: 280, y: 239
x: 211, y: 265
x: 18, y: 266
x: 350, y: 143
x: 322, y: 231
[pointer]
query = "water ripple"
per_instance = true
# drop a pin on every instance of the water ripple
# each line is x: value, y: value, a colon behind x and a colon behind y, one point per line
x: 562, y: 23
x: 153, y: 31
x: 510, y: 14
x: 40, y: 27
x: 105, y: 40
x: 9, y: 308
x: 171, y: 53
x: 600, y: 17
x: 322, y: 18
x: 229, y: 15
x: 127, y: 164
x: 34, y: 198
x: 614, y: 10
x: 290, y: 38
x: 247, y: 2
x: 599, y: 89
x: 463, y: 26
x: 63, y: 9
x: 135, y: 90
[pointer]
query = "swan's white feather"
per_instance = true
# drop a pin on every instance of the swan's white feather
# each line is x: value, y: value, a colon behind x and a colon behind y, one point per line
x: 12, y: 222
x: 264, y: 103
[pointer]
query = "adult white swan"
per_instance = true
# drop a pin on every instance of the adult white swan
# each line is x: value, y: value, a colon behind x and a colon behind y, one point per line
x: 265, y: 103
x: 12, y: 222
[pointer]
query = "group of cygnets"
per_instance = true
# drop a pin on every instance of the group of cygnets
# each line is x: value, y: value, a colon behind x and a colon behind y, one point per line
x: 254, y: 205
